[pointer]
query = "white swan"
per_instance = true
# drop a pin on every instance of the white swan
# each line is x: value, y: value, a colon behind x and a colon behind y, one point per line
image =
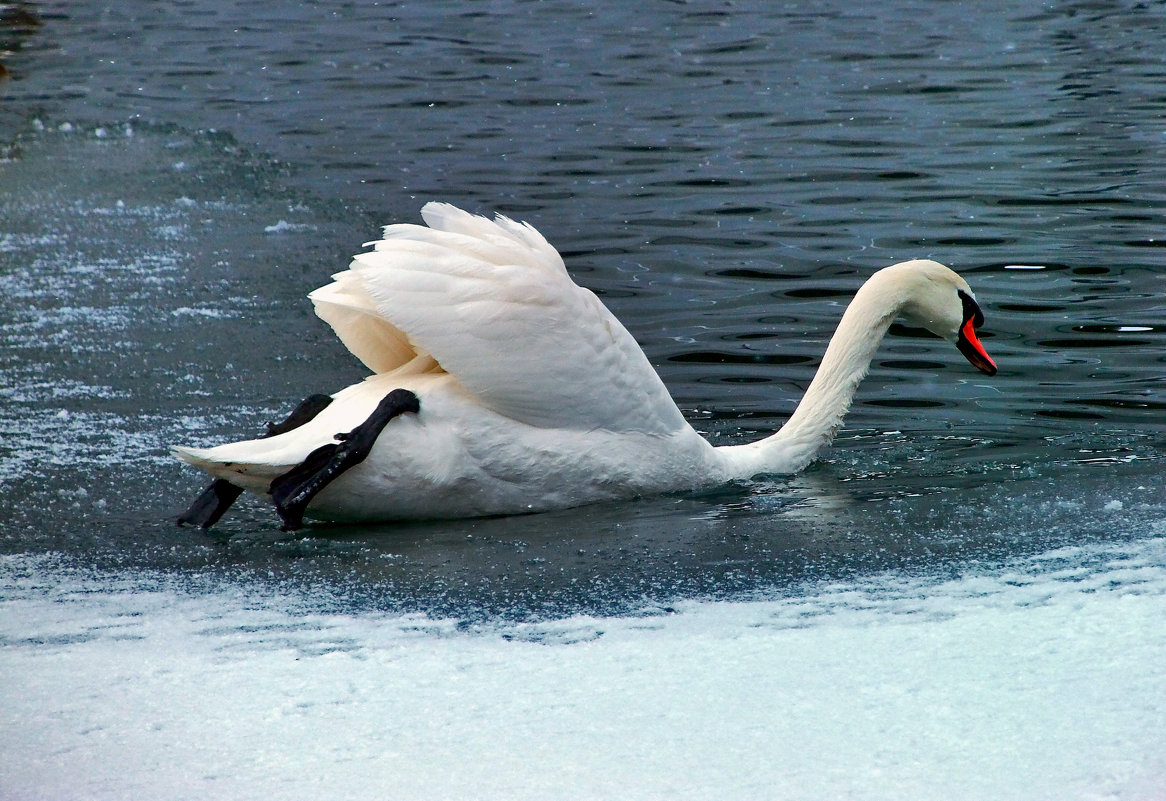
x: 524, y: 393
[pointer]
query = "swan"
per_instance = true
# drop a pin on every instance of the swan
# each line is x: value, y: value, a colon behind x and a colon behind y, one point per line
x: 499, y: 386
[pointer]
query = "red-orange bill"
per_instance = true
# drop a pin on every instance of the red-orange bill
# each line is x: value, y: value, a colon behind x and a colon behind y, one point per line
x: 971, y: 347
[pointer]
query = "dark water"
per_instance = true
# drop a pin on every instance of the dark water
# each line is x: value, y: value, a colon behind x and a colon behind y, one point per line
x: 177, y: 176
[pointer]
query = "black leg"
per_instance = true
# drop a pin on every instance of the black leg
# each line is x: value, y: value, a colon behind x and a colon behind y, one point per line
x: 295, y: 489
x: 309, y: 407
x: 210, y: 506
x: 216, y: 499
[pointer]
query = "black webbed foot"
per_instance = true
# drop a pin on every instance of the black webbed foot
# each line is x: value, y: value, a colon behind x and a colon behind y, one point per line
x: 295, y: 489
x: 216, y: 499
x: 211, y: 504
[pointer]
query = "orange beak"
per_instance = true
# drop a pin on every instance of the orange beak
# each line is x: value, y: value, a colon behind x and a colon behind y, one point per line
x: 968, y: 343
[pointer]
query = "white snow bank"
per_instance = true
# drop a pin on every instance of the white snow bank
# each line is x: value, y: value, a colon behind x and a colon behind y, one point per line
x: 1044, y: 681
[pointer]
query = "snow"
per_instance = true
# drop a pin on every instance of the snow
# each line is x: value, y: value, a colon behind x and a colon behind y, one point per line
x: 285, y: 227
x: 1046, y: 680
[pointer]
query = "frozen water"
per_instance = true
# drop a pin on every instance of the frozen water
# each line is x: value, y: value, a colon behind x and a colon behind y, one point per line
x: 964, y: 600
x: 1046, y: 680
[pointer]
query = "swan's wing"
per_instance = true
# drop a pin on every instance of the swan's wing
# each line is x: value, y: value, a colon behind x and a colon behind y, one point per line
x: 491, y: 301
x: 346, y: 306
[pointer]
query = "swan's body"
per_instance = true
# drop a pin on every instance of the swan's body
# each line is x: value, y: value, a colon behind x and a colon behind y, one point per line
x: 532, y: 396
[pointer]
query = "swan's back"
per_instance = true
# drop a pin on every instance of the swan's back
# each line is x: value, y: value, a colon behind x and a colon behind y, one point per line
x: 491, y: 303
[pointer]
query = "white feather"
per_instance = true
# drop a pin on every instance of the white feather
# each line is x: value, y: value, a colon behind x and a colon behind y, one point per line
x: 532, y: 395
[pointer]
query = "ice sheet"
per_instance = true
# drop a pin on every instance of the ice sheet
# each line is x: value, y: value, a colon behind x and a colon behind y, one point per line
x: 1043, y: 681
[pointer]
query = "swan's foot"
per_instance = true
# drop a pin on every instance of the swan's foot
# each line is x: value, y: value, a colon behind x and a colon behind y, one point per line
x: 208, y: 507
x: 295, y: 489
x: 216, y: 499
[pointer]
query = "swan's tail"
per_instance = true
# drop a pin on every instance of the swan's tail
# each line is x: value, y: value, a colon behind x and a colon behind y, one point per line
x: 230, y: 480
x: 241, y: 463
x: 291, y: 468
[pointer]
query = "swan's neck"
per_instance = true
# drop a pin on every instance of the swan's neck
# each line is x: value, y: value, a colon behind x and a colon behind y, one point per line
x: 819, y: 414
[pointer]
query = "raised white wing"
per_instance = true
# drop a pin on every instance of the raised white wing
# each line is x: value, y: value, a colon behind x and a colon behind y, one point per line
x: 491, y: 301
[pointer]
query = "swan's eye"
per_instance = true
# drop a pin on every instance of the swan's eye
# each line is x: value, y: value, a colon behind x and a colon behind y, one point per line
x: 971, y: 310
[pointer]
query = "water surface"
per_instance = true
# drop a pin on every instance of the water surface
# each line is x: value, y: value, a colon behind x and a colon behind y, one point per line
x: 176, y: 177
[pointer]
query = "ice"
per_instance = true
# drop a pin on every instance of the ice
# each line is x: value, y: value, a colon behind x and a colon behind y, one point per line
x: 1036, y: 683
x: 203, y: 312
x: 285, y: 227
x: 970, y: 607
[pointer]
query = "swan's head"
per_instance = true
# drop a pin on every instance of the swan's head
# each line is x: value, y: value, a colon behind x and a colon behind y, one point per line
x: 937, y: 299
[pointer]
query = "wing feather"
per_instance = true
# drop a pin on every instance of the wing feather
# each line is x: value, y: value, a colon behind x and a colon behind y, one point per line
x: 492, y: 302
